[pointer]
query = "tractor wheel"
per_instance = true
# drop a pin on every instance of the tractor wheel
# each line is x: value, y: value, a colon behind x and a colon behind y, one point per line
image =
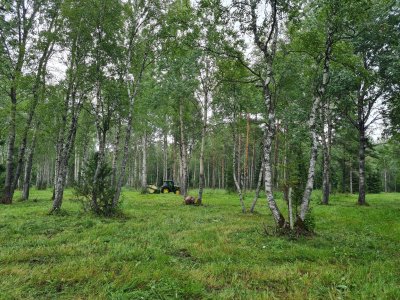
x: 177, y: 192
x: 165, y: 190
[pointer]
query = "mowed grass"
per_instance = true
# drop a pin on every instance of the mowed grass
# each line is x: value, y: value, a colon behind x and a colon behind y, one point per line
x: 162, y: 249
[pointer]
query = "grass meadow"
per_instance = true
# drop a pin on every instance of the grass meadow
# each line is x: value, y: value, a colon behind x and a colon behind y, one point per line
x: 162, y: 249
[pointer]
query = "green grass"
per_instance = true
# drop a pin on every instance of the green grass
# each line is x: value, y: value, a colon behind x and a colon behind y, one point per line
x: 163, y: 249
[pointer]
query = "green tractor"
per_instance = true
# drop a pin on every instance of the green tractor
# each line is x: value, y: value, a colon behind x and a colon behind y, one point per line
x: 167, y: 187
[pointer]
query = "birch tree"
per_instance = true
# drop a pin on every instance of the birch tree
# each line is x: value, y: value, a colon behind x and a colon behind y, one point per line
x: 260, y: 19
x: 207, y: 85
x: 16, y: 32
x: 140, y: 42
x: 43, y: 49
x: 74, y: 91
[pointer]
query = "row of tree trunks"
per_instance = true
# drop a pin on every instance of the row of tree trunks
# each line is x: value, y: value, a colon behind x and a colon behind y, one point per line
x: 25, y: 23
x: 37, y: 95
x: 26, y: 19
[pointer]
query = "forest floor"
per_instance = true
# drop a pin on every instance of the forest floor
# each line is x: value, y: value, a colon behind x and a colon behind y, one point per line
x: 162, y: 249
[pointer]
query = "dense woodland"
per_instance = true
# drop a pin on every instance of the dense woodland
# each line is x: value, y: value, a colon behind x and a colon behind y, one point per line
x: 270, y: 95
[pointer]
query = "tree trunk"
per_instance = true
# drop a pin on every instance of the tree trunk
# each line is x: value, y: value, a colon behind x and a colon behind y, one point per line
x: 144, y: 161
x: 59, y: 189
x: 257, y: 194
x: 235, y: 179
x: 325, y: 169
x: 125, y: 154
x: 268, y: 137
x: 313, y: 128
x: 174, y: 167
x: 223, y: 172
x: 32, y: 110
x: 116, y: 154
x: 165, y: 157
x: 361, y: 168
x: 213, y: 173
x: 239, y: 160
x: 8, y: 192
x: 65, y: 153
x: 275, y: 174
x: 183, y: 153
x: 24, y: 29
x: 28, y: 168
x: 326, y: 143
x: 313, y: 159
x: 47, y: 50
x: 290, y: 209
x: 203, y: 139
x: 253, y: 166
x: 351, y: 178
x: 132, y: 98
x: 246, y: 157
x: 76, y: 165
x: 101, y: 135
x: 286, y: 167
x: 385, y: 180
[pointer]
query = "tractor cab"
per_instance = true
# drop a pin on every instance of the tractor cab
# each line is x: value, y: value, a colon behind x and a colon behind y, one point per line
x: 170, y: 187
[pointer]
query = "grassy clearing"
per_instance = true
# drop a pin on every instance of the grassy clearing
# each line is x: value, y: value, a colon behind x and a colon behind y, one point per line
x: 162, y: 249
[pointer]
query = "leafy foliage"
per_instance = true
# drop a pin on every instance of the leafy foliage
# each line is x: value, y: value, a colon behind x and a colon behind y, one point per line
x: 103, y: 190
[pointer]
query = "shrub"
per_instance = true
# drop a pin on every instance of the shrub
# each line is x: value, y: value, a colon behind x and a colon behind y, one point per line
x: 96, y: 197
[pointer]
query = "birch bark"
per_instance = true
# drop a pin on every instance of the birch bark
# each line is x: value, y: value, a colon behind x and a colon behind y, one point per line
x: 144, y: 161
x: 304, y: 208
x: 235, y: 179
x: 203, y: 139
x: 28, y: 167
x: 183, y: 153
x: 25, y: 23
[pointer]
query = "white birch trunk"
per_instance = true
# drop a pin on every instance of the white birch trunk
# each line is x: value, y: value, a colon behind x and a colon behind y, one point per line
x: 290, y: 209
x: 257, y: 193
x: 237, y: 184
x: 304, y: 208
x: 183, y: 154
x: 203, y: 138
x: 144, y: 161
x: 165, y: 157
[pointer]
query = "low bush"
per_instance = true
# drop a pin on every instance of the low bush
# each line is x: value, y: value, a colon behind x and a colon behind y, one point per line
x: 97, y: 197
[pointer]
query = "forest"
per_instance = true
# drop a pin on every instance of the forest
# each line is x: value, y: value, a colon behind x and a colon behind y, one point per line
x: 279, y: 117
